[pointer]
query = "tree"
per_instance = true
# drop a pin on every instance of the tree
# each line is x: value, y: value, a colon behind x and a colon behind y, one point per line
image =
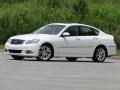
x: 81, y: 9
x: 54, y: 3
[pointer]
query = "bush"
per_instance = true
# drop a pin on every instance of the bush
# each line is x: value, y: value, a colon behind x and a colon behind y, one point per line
x: 24, y: 16
x: 12, y: 1
x: 81, y: 9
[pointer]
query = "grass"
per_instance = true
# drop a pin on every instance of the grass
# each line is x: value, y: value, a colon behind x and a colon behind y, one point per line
x: 118, y: 52
x: 1, y: 46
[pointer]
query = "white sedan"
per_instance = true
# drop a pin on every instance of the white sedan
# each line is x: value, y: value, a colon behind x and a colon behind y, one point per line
x: 71, y: 41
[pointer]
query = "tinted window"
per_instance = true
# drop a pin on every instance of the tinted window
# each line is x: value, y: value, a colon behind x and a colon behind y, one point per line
x: 87, y: 31
x: 73, y: 30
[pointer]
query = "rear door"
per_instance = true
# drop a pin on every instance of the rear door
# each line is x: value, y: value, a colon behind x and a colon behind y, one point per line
x: 88, y: 40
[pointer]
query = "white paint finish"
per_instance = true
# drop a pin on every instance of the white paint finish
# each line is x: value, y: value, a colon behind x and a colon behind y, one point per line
x: 74, y: 46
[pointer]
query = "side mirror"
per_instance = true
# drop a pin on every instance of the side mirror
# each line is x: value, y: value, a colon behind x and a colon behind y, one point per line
x: 65, y: 34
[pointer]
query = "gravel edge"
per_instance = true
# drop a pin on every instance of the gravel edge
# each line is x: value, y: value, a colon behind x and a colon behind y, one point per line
x: 115, y: 57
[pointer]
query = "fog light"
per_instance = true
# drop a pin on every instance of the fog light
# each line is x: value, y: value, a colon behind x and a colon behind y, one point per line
x: 6, y: 50
x: 29, y: 52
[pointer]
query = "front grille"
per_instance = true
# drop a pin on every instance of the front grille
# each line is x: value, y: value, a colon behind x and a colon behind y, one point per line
x: 16, y: 41
x: 15, y: 51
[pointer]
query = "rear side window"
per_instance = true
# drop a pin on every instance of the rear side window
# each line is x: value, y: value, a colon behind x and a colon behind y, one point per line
x: 87, y: 31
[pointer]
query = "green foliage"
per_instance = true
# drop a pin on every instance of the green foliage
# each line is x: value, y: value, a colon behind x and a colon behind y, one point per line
x: 12, y: 1
x: 24, y: 16
x: 81, y: 9
x: 118, y: 53
x: 1, y: 47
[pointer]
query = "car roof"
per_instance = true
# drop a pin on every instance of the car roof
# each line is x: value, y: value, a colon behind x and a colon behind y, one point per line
x: 69, y: 24
x: 75, y: 24
x: 72, y: 24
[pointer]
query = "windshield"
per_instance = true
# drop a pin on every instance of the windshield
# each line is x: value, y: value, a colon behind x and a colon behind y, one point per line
x: 50, y: 29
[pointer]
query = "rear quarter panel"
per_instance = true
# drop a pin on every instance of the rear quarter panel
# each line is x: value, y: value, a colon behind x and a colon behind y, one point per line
x: 108, y: 42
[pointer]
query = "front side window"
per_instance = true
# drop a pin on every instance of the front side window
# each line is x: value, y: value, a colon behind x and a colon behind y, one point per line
x: 50, y: 29
x: 73, y: 30
x: 87, y: 31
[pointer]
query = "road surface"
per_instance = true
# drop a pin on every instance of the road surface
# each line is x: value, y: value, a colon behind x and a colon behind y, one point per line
x: 58, y: 74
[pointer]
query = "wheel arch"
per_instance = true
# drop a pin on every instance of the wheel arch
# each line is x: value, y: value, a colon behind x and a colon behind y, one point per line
x: 101, y: 45
x: 48, y: 43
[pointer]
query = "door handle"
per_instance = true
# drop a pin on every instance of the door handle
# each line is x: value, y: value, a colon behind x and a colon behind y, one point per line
x: 95, y: 38
x: 78, y: 39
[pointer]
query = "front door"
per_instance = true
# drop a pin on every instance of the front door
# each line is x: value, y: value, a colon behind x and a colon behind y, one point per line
x: 69, y: 45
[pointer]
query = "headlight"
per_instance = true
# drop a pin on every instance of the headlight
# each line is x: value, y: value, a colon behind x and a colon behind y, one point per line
x: 34, y: 41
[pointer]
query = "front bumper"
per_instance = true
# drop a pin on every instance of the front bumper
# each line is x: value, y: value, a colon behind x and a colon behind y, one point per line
x: 22, y: 50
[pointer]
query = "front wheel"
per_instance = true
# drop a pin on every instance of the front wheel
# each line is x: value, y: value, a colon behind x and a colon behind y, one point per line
x: 17, y: 57
x: 71, y: 59
x: 45, y: 53
x: 99, y: 55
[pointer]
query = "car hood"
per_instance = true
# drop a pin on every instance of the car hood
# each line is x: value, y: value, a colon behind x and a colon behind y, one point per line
x: 32, y: 36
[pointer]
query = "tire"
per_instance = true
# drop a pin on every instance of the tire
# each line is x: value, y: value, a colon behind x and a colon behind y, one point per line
x: 99, y: 55
x: 45, y: 53
x: 17, y: 57
x: 71, y: 59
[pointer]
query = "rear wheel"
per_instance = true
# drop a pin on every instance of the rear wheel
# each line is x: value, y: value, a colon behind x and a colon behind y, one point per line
x: 100, y: 54
x: 45, y: 53
x: 17, y: 57
x: 72, y: 59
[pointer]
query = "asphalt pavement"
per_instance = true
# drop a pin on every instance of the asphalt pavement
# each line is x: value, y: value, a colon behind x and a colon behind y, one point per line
x: 58, y: 74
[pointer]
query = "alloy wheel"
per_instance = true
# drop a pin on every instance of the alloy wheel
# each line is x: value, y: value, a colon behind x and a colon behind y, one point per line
x: 45, y: 53
x: 100, y: 54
